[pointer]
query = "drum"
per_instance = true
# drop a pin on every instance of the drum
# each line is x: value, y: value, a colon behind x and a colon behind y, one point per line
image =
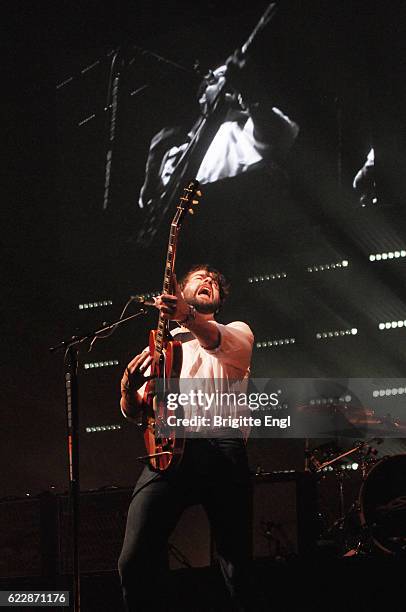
x: 383, y: 504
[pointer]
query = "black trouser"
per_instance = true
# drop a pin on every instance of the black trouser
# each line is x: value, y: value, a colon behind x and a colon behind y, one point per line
x: 214, y: 473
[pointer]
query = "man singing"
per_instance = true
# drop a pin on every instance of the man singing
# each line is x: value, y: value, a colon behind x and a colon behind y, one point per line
x: 214, y: 469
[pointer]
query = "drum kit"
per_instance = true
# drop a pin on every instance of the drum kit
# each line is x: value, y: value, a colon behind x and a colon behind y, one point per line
x: 375, y: 521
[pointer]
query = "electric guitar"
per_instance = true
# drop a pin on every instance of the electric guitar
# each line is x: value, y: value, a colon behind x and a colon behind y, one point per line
x: 164, y: 445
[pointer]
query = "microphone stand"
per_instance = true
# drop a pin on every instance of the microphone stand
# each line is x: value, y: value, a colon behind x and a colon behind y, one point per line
x: 71, y: 348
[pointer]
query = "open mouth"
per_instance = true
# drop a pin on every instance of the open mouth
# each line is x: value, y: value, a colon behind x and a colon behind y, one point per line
x: 205, y: 290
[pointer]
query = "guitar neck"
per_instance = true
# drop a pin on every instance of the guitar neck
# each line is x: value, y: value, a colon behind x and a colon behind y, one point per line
x: 269, y: 13
x: 184, y: 206
x: 162, y: 328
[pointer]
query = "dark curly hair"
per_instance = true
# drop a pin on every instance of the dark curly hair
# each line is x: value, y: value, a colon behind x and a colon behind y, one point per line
x: 224, y: 285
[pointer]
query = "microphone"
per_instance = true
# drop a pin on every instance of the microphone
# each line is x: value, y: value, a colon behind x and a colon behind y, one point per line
x: 142, y: 299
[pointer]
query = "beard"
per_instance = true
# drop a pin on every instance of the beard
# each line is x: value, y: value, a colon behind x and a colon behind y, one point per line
x: 202, y: 305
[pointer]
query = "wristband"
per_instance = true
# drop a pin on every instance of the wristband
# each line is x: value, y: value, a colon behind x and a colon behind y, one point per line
x: 190, y: 317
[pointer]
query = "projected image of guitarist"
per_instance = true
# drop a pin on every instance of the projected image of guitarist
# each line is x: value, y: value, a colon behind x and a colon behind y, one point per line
x: 238, y: 129
x: 213, y: 471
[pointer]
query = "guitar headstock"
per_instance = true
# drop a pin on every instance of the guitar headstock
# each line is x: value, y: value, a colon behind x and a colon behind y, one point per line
x: 188, y: 199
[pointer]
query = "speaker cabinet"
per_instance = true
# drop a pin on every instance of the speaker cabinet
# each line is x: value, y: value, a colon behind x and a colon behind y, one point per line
x: 20, y: 538
x: 284, y: 515
x: 36, y: 538
x: 103, y: 516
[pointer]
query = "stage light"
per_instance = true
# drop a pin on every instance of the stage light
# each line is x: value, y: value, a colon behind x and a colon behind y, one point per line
x: 100, y: 364
x: 337, y: 333
x: 275, y: 342
x: 387, y: 255
x: 389, y: 392
x: 98, y: 304
x: 355, y: 466
x: 328, y: 266
x: 267, y: 277
x: 391, y: 324
x: 98, y: 428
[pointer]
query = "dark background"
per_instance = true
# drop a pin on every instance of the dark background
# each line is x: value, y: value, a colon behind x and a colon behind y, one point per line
x: 335, y: 68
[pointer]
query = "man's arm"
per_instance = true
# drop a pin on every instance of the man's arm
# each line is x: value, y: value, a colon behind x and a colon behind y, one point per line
x: 231, y: 343
x: 235, y: 348
x: 273, y: 131
x: 206, y: 332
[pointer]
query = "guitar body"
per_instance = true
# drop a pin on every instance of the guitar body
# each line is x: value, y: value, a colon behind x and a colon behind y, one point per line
x: 164, y: 444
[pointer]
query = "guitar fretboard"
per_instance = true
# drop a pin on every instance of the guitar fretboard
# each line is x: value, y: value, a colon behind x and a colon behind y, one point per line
x: 185, y: 201
x: 162, y: 329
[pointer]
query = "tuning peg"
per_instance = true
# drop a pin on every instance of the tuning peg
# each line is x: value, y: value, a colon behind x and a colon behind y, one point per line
x: 195, y: 201
x: 191, y: 211
x: 198, y: 193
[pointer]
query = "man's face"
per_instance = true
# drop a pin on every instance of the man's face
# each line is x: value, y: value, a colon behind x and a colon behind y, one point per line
x: 202, y: 291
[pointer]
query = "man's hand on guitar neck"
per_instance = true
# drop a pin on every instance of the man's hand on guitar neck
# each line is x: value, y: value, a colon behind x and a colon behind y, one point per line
x: 173, y: 307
